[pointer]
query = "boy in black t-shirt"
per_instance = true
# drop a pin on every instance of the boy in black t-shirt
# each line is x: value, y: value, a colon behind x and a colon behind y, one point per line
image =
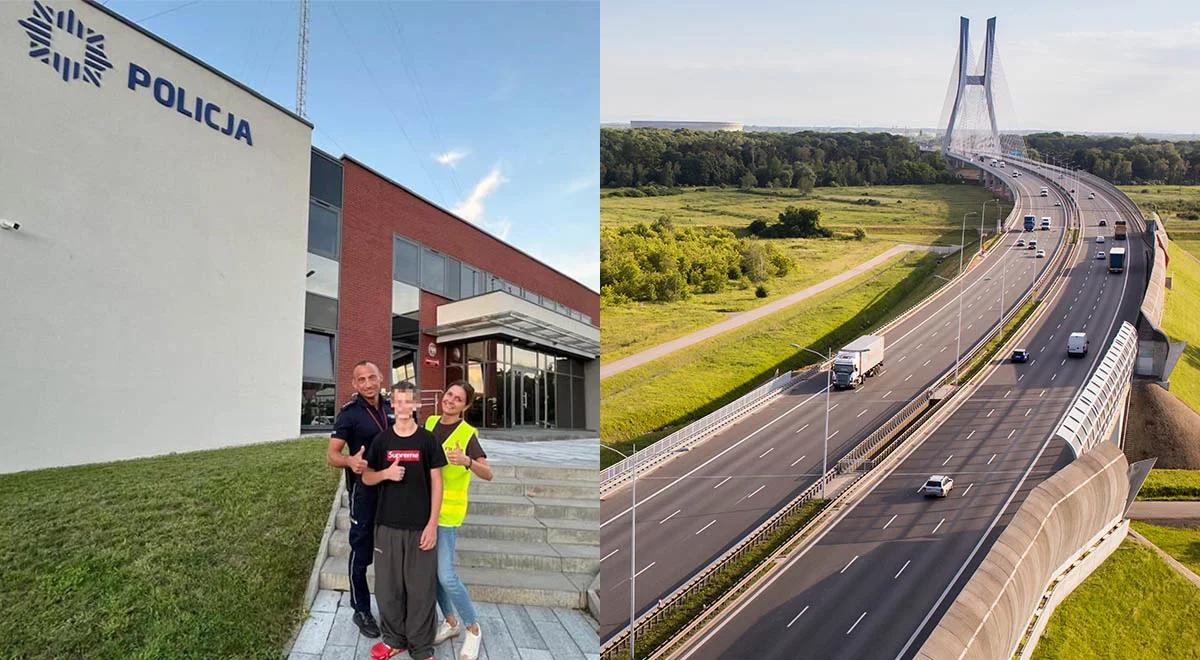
x: 405, y: 461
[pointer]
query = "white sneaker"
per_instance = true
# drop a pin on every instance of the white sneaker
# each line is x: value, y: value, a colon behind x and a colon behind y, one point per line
x: 470, y: 647
x: 445, y: 632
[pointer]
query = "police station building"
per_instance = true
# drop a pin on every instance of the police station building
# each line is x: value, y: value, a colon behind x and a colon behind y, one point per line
x: 182, y: 270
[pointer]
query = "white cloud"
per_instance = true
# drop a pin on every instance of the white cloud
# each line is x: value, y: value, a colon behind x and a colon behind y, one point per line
x: 579, y: 184
x: 471, y: 208
x: 451, y: 157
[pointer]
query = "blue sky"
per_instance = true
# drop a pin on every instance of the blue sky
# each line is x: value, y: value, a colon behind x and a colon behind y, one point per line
x: 1081, y: 65
x: 489, y: 109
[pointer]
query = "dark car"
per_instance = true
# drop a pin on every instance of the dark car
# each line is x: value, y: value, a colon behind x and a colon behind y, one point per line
x: 1020, y: 355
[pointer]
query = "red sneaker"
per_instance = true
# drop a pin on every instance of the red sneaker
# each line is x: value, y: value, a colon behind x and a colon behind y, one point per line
x: 382, y: 651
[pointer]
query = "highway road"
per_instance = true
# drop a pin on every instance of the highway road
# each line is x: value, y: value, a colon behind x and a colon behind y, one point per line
x: 696, y: 506
x: 876, y: 582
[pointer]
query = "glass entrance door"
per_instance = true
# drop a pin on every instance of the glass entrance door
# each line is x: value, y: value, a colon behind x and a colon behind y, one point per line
x: 525, y: 399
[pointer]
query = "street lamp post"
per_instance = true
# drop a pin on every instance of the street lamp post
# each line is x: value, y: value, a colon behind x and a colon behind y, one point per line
x: 828, y: 386
x: 998, y: 218
x: 632, y: 551
x: 962, y: 248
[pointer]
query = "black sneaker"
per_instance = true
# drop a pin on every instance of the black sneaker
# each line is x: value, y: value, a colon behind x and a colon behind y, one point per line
x: 366, y: 624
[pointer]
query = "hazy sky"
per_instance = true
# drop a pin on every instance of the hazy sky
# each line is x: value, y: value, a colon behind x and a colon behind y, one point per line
x: 1089, y: 66
x: 486, y: 108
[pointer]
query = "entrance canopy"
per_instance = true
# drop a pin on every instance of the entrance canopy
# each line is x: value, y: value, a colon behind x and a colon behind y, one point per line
x: 501, y: 313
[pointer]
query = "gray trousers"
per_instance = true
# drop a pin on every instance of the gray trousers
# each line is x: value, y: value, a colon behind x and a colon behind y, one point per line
x: 406, y: 588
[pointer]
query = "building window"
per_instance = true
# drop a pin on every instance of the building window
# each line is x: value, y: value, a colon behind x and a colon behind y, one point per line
x: 533, y: 297
x: 325, y: 180
x: 405, y: 260
x: 322, y: 230
x: 519, y: 386
x: 453, y: 275
x: 318, y: 357
x: 433, y: 271
x: 320, y: 313
x: 317, y: 403
x: 467, y: 282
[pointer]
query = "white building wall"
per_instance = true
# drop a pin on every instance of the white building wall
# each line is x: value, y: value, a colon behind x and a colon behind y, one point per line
x: 153, y: 299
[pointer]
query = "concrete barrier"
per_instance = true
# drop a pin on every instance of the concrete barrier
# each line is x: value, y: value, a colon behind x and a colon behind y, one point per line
x: 1062, y: 516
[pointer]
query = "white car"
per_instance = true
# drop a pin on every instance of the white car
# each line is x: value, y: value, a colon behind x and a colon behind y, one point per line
x: 1092, y: 195
x: 1077, y: 344
x: 1100, y: 254
x: 937, y: 485
x: 1058, y: 203
x: 1099, y: 239
x: 1041, y: 254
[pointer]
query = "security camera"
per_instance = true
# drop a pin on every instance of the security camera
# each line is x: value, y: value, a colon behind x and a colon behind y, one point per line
x: 9, y: 225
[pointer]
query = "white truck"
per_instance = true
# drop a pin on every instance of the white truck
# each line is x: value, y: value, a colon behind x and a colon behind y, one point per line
x: 859, y: 359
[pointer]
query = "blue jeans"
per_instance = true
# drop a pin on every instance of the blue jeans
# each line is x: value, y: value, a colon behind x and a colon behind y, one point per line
x: 452, y: 594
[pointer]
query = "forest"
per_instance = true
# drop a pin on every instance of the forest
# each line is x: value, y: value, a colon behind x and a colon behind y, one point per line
x: 1122, y: 160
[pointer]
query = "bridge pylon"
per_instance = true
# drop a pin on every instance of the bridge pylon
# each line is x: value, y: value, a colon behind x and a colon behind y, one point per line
x: 967, y: 79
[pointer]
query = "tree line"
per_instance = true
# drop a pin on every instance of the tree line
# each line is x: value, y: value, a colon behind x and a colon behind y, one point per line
x: 650, y: 156
x: 660, y: 263
x: 1122, y: 160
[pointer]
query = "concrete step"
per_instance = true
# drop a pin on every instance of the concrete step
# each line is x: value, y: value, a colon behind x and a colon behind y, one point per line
x: 500, y: 528
x: 539, y: 588
x: 542, y: 508
x: 540, y: 482
x: 522, y: 556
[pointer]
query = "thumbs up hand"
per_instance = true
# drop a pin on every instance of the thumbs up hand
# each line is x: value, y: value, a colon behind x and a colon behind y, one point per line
x: 456, y: 457
x: 394, y: 472
x: 357, y: 462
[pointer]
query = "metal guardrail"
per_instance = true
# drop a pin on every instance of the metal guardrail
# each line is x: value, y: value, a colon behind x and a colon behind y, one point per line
x: 1091, y: 413
x: 618, y: 473
x: 876, y: 446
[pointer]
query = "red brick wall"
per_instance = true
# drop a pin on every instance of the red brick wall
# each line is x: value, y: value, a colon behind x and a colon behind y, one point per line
x: 373, y: 210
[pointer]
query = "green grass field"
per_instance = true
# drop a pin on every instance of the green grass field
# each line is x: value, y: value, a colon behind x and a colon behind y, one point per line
x: 1133, y: 606
x: 632, y: 327
x: 923, y: 214
x: 1171, y: 485
x: 204, y: 554
x: 648, y: 401
x: 1182, y: 543
x: 1179, y: 322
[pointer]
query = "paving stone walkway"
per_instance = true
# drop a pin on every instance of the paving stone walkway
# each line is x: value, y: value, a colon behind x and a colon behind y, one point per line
x: 510, y: 632
x: 582, y: 453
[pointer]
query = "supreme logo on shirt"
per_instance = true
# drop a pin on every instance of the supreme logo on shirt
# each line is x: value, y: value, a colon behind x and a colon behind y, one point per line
x: 404, y: 455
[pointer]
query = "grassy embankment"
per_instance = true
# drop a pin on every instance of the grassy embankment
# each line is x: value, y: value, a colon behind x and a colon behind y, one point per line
x: 203, y: 554
x: 906, y: 214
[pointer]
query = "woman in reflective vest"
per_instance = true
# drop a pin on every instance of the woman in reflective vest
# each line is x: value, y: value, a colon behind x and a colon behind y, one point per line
x: 465, y: 459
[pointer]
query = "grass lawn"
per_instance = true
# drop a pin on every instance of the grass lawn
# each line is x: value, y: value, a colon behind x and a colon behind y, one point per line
x: 1182, y: 543
x: 633, y: 327
x: 1179, y: 322
x: 203, y: 554
x: 1133, y: 606
x: 924, y: 214
x: 1171, y: 485
x: 648, y: 401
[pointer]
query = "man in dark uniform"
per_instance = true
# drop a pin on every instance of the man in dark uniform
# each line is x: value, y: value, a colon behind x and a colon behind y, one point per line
x: 358, y: 422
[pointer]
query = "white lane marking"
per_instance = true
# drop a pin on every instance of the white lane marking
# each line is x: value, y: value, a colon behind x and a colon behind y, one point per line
x: 704, y: 528
x: 889, y: 393
x: 967, y: 490
x: 613, y: 553
x: 861, y: 413
x: 1028, y: 411
x: 721, y: 482
x: 902, y: 358
x: 885, y: 526
x: 969, y: 325
x: 1010, y: 435
x: 766, y: 452
x: 860, y: 618
x: 801, y: 428
x: 991, y: 459
x: 970, y: 434
x: 1020, y: 377
x: 901, y: 569
x: 907, y: 377
x: 1042, y: 394
x: 670, y: 516
x: 644, y: 569
x: 848, y: 565
x: 756, y: 491
x: 834, y: 433
x: 834, y: 406
x: 1063, y: 362
x: 920, y: 345
x: 789, y: 625
x: 798, y: 460
x: 944, y: 348
x: 722, y: 453
x: 947, y: 460
x: 990, y: 412
x: 1006, y: 394
x: 927, y: 363
x: 939, y: 526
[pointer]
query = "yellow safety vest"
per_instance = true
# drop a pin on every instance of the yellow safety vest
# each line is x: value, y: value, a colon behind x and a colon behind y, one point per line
x: 456, y: 479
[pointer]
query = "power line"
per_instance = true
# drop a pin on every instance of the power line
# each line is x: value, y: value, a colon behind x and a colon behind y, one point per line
x: 387, y: 104
x: 166, y: 11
